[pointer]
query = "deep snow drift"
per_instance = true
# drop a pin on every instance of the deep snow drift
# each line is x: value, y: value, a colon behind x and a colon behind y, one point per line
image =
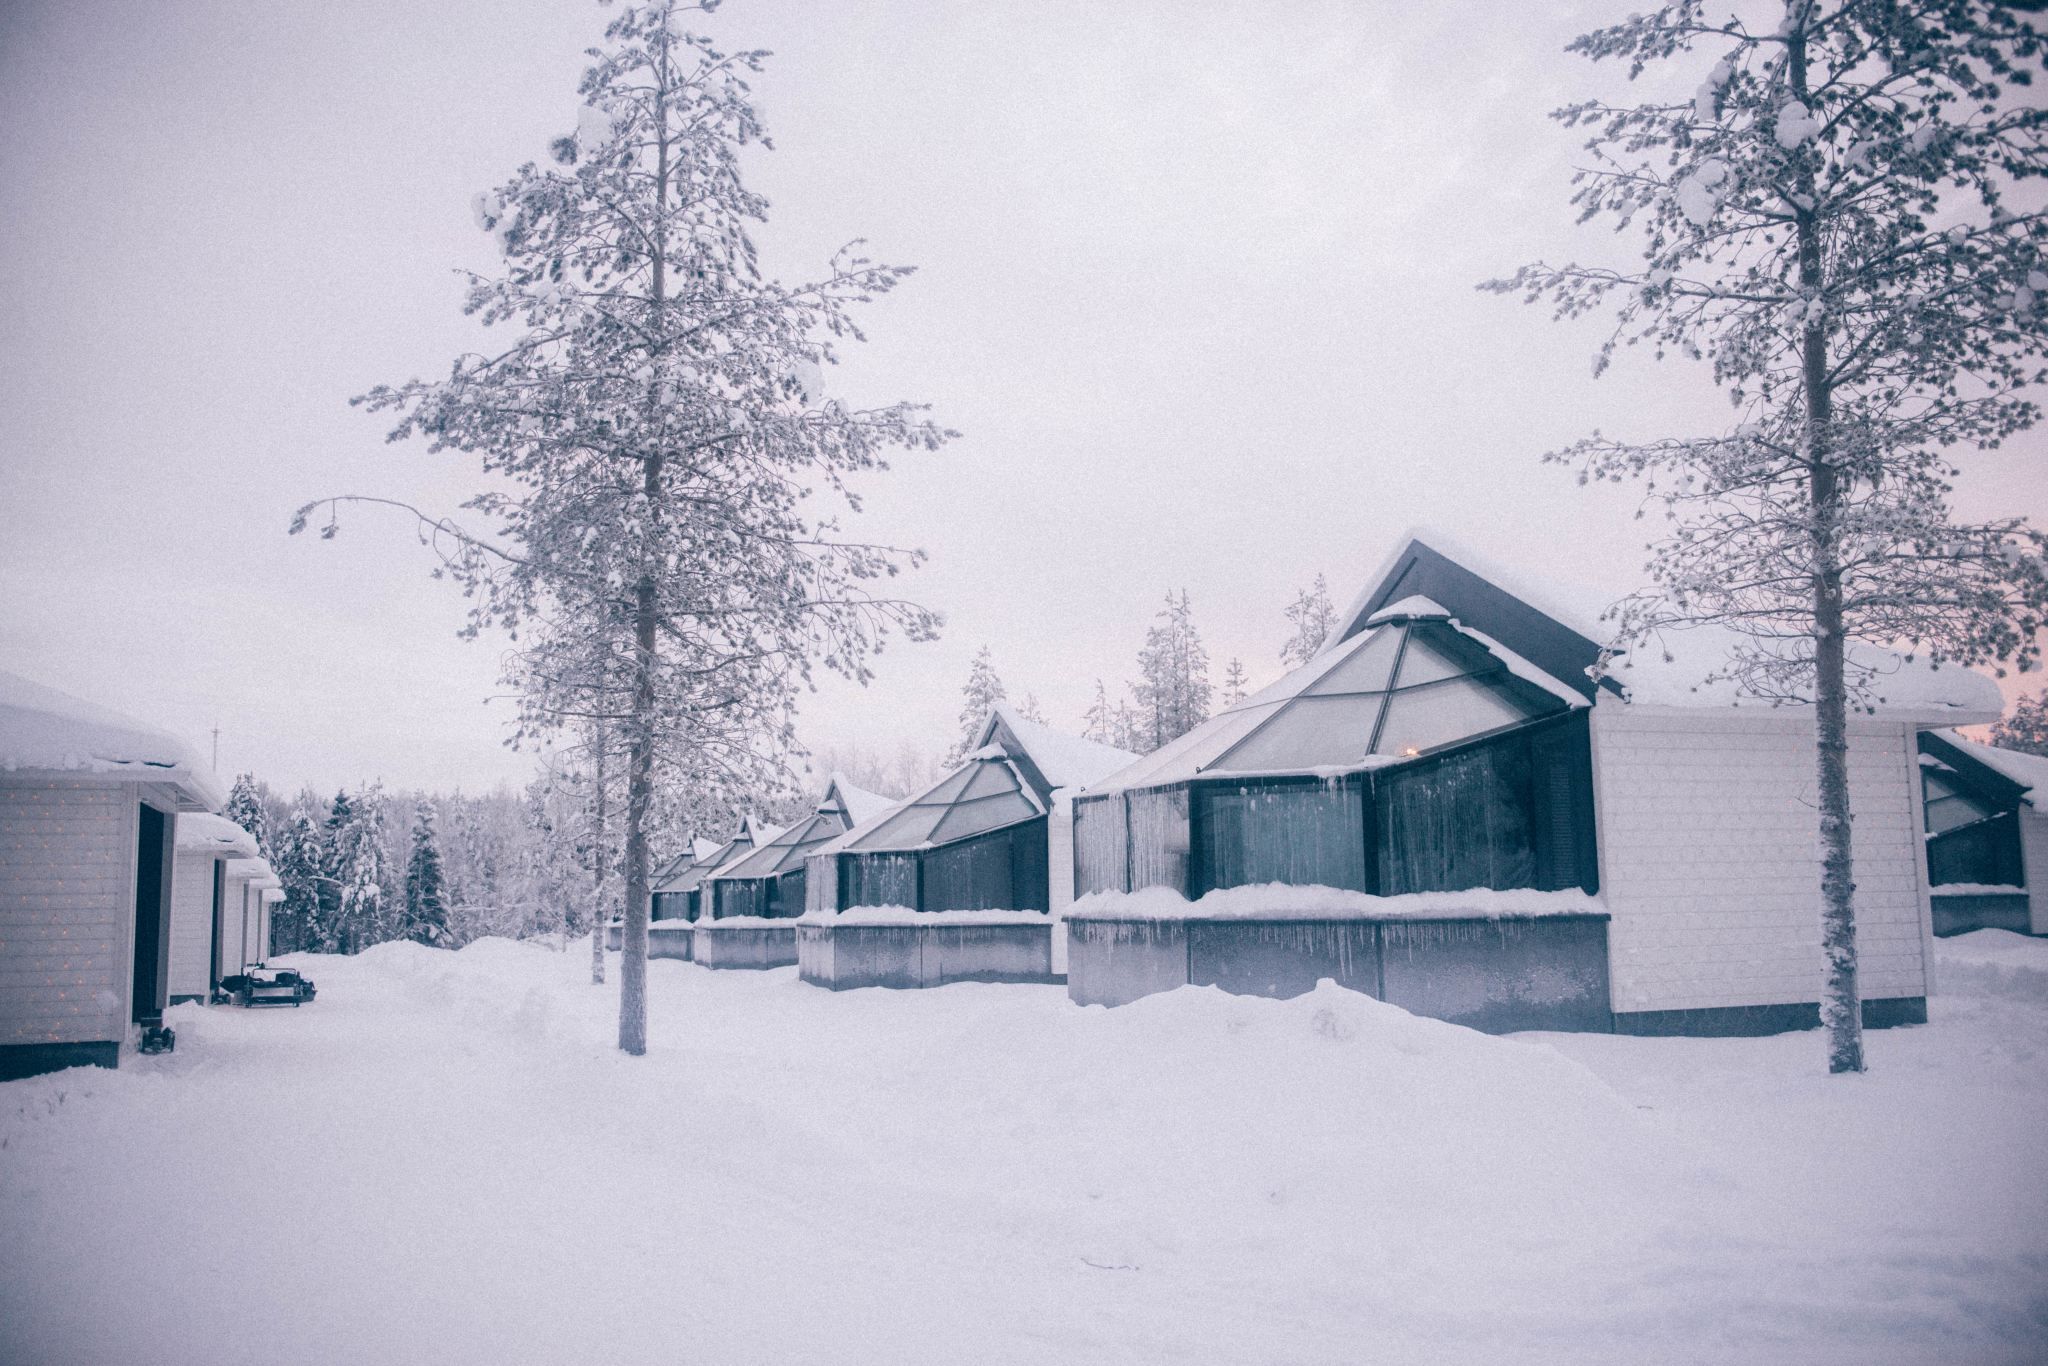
x: 443, y: 1159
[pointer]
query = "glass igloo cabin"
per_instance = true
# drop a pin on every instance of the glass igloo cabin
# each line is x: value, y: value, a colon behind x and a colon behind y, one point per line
x: 1413, y: 754
x: 769, y: 882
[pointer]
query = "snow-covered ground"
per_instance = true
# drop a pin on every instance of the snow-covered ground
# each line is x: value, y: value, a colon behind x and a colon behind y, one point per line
x: 443, y: 1159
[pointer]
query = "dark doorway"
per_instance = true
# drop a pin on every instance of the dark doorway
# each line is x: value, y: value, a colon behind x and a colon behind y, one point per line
x: 220, y: 926
x: 152, y: 925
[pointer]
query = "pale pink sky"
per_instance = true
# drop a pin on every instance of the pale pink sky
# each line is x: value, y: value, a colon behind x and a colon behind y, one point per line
x: 1195, y: 280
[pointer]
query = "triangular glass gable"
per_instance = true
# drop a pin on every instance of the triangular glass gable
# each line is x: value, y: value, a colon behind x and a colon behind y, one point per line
x: 984, y: 795
x: 1413, y: 686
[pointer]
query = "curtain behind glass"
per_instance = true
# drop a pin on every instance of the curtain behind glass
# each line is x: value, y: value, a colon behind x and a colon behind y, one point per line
x: 1302, y: 834
x: 1464, y: 822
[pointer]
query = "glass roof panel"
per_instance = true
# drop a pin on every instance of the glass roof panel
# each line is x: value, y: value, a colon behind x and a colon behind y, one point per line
x: 1308, y: 733
x: 989, y: 780
x: 1428, y: 717
x: 1367, y: 669
x: 906, y: 829
x: 1423, y: 663
x: 971, y: 818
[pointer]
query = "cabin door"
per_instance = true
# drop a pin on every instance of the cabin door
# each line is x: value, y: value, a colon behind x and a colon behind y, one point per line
x: 152, y: 983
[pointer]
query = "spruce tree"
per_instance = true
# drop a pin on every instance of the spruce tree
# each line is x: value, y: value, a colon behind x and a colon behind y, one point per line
x: 2026, y: 729
x: 426, y: 914
x: 1824, y: 220
x: 1233, y: 683
x: 1174, y: 697
x: 246, y: 808
x: 977, y: 696
x: 1310, y: 619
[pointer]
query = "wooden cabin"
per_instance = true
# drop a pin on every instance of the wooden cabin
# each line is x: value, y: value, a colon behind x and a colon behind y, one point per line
x: 678, y: 892
x: 89, y: 800
x: 1985, y: 834
x: 207, y: 847
x: 1455, y: 737
x: 769, y: 882
x: 978, y: 839
x: 253, y: 890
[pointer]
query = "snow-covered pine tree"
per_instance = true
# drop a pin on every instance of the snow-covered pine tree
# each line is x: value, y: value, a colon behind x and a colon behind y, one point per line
x: 295, y: 856
x: 426, y: 914
x: 978, y: 694
x: 650, y: 431
x: 1029, y: 709
x: 1174, y: 697
x: 1310, y: 619
x: 2026, y: 729
x: 246, y: 808
x: 1097, y: 722
x: 1825, y: 221
x: 1233, y: 682
x: 357, y: 871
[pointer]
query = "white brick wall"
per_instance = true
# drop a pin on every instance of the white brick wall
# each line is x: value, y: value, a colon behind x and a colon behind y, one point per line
x: 67, y: 908
x: 1709, y: 858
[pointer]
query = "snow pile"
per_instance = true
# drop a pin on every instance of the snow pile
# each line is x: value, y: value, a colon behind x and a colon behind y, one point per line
x: 446, y: 1157
x: 1995, y: 963
x: 1976, y: 889
x: 745, y: 922
x: 43, y: 729
x: 1279, y: 901
x: 904, y: 915
x: 216, y: 835
x: 1698, y: 195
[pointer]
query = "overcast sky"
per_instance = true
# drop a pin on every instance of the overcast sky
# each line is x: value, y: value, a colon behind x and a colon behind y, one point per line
x: 1195, y: 282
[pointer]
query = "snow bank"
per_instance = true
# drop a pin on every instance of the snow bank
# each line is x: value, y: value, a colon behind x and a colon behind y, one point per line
x: 990, y: 1174
x: 904, y: 915
x: 745, y: 922
x: 1279, y: 901
x: 1992, y: 963
x: 43, y: 729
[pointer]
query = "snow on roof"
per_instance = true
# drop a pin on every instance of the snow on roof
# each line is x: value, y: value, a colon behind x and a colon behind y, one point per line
x: 1415, y: 605
x: 1666, y: 671
x: 2028, y: 770
x: 1571, y: 605
x: 701, y: 849
x: 859, y: 802
x: 1065, y: 760
x: 257, y: 870
x: 199, y: 830
x: 45, y: 730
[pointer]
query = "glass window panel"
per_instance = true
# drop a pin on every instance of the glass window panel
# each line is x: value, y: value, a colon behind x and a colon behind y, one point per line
x: 1460, y: 823
x: 983, y: 813
x: 1366, y: 669
x: 1099, y: 845
x: 1159, y: 839
x: 1948, y: 806
x: 878, y: 880
x: 1302, y: 834
x: 1309, y: 733
x: 1438, y: 715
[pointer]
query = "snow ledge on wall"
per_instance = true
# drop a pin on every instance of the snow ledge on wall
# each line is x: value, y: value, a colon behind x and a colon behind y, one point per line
x: 1279, y: 901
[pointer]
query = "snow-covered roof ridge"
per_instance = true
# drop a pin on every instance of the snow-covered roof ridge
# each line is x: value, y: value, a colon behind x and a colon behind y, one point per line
x: 1414, y: 605
x: 2028, y: 770
x: 859, y: 802
x: 44, y: 730
x: 215, y: 834
x: 1065, y: 760
x: 1577, y: 607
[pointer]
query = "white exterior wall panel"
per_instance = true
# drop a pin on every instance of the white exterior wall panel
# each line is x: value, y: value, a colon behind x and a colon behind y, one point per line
x: 67, y: 909
x: 191, y: 923
x: 2034, y: 861
x: 1710, y: 864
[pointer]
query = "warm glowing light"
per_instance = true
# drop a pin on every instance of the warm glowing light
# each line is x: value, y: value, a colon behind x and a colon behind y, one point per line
x: 1411, y: 750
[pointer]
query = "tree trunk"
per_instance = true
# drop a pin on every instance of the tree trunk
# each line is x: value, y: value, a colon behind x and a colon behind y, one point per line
x: 1841, y: 1007
x: 597, y: 915
x: 640, y: 764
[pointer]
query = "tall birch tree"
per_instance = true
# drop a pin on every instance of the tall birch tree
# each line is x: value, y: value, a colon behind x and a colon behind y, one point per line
x: 1845, y: 221
x: 650, y: 431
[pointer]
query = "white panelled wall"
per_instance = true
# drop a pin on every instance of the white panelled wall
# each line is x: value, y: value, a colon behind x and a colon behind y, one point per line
x: 67, y: 908
x: 1710, y: 863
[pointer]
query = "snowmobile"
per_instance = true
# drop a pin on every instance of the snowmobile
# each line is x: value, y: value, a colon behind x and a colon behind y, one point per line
x: 261, y: 986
